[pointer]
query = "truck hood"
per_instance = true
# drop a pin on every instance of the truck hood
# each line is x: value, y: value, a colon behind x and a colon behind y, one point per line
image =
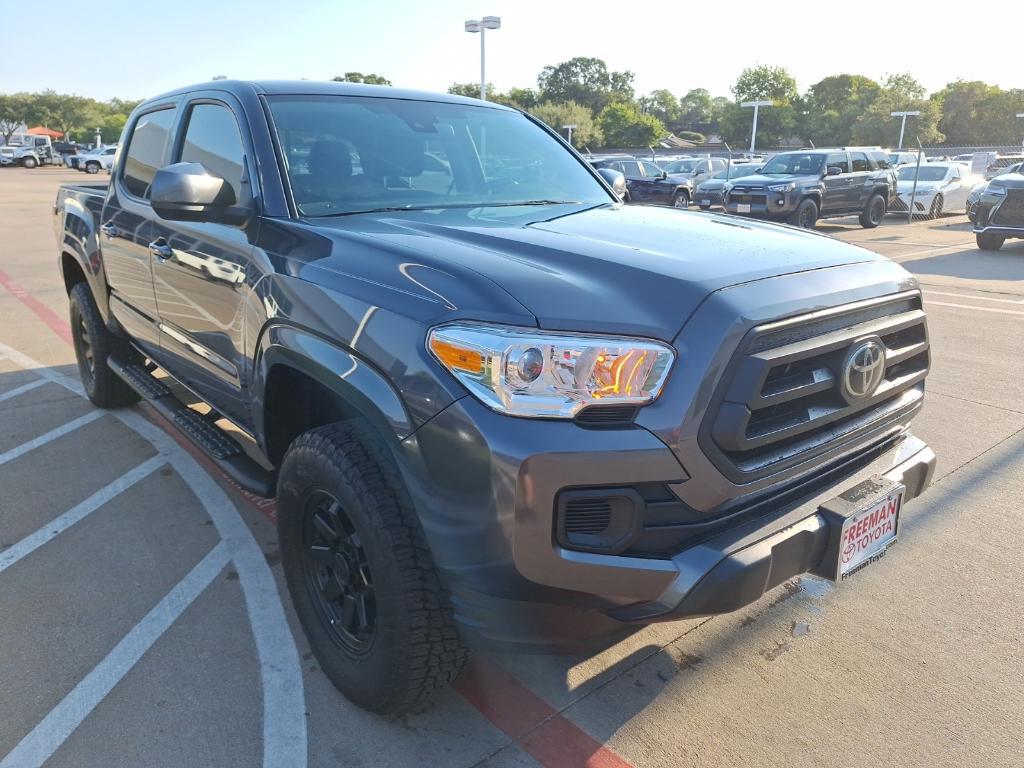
x: 624, y: 269
x: 757, y: 180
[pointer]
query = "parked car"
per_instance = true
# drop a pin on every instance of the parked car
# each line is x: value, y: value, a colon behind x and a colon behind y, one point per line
x: 899, y: 158
x: 95, y: 160
x: 6, y: 156
x: 998, y: 166
x: 520, y: 415
x: 696, y: 169
x: 648, y: 183
x: 710, y: 193
x: 998, y: 214
x: 941, y: 188
x: 803, y: 186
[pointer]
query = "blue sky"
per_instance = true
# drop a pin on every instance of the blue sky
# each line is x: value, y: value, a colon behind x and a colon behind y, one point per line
x: 137, y: 49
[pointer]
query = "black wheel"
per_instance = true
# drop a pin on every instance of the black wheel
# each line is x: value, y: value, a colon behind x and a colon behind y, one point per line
x: 806, y: 214
x: 681, y: 199
x: 873, y: 212
x: 92, y: 167
x: 360, y: 573
x: 93, y: 345
x: 936, y: 210
x: 29, y: 162
x: 989, y: 242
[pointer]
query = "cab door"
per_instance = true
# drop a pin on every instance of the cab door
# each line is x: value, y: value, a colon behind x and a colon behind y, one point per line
x: 837, y: 188
x: 860, y: 180
x: 657, y: 190
x: 126, y: 225
x: 638, y: 190
x: 202, y: 270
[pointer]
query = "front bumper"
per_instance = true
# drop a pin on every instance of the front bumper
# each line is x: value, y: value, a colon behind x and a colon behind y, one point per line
x: 766, y: 204
x: 709, y: 199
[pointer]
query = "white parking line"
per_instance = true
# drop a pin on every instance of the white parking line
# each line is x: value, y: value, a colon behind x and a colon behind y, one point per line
x: 284, y: 707
x: 970, y: 296
x: 49, y: 437
x: 976, y: 309
x: 58, y: 525
x: 42, y: 741
x: 22, y: 389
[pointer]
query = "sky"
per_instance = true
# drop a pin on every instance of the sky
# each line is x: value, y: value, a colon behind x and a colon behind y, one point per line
x: 142, y: 48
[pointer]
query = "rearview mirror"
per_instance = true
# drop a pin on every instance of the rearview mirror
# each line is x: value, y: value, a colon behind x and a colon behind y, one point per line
x: 615, y: 180
x: 189, y: 192
x: 833, y: 170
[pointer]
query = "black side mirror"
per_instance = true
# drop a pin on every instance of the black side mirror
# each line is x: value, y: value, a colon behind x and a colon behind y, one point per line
x: 189, y: 192
x: 615, y: 180
x: 833, y: 170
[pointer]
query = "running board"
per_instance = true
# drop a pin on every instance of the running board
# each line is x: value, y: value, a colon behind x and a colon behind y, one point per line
x: 213, y: 441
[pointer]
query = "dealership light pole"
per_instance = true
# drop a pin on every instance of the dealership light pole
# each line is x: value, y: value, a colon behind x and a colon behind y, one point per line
x: 481, y: 25
x: 756, y: 105
x: 903, y: 124
x: 570, y: 129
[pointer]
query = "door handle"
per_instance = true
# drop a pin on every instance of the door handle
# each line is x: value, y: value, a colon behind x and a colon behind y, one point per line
x: 161, y: 249
x: 110, y: 230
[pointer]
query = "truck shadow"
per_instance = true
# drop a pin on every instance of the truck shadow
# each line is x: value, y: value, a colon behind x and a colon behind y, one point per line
x: 974, y: 264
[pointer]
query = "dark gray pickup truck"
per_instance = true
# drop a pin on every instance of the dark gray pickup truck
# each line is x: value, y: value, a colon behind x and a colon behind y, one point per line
x: 496, y: 407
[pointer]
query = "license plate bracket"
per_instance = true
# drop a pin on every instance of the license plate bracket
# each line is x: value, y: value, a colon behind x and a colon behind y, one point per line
x: 742, y: 207
x: 863, y: 523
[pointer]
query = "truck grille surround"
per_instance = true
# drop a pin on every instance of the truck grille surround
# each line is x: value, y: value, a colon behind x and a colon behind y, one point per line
x: 786, y: 397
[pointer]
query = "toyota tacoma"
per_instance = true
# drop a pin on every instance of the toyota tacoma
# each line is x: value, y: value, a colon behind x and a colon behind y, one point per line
x: 497, y: 408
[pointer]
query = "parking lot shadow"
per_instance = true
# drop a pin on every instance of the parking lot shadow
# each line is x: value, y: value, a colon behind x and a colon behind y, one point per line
x: 974, y: 264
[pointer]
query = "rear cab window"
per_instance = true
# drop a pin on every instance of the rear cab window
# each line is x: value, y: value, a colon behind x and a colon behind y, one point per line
x: 838, y: 160
x: 859, y: 162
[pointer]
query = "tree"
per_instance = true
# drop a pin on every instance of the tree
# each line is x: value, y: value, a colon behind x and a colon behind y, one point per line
x: 13, y: 112
x: 775, y: 123
x: 623, y: 126
x: 523, y: 98
x: 963, y: 104
x: 697, y: 111
x: 359, y: 77
x: 471, y: 90
x: 585, y: 81
x: 899, y: 93
x: 997, y: 121
x: 664, y: 106
x: 833, y: 104
x: 696, y: 138
x: 585, y: 134
x: 60, y: 111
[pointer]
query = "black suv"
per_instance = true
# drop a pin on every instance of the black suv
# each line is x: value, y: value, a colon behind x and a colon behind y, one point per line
x: 810, y: 184
x: 646, y: 182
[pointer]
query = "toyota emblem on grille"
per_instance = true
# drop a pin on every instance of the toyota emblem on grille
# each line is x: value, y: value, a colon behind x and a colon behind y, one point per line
x: 863, y: 369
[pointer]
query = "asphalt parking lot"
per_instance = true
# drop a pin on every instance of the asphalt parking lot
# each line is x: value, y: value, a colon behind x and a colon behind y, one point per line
x: 144, y: 619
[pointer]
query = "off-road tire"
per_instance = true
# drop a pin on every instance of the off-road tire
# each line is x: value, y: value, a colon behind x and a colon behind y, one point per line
x: 805, y: 215
x: 94, y: 344
x: 873, y: 212
x: 989, y: 242
x: 415, y: 647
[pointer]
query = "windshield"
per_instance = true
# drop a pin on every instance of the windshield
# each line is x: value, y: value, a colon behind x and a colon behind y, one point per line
x: 736, y: 172
x: 801, y: 163
x: 680, y: 166
x: 352, y: 154
x: 928, y: 173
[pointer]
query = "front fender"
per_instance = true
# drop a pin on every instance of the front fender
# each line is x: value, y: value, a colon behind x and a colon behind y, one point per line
x: 345, y: 373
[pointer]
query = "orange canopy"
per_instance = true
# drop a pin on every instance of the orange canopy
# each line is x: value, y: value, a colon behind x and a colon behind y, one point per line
x: 40, y: 130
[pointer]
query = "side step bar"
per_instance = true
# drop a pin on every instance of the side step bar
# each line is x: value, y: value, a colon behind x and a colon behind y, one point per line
x: 224, y: 451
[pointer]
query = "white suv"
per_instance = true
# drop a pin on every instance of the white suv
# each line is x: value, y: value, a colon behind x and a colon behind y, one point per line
x: 96, y: 160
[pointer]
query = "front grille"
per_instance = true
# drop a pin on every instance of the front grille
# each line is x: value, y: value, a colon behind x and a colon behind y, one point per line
x: 755, y: 199
x: 606, y: 415
x: 782, y: 399
x: 1010, y: 212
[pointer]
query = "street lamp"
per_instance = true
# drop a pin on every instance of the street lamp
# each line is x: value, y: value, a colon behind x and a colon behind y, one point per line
x: 480, y: 25
x: 571, y: 128
x: 756, y: 105
x: 903, y: 124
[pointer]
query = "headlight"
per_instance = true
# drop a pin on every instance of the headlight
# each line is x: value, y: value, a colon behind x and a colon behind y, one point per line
x: 524, y: 372
x: 782, y: 187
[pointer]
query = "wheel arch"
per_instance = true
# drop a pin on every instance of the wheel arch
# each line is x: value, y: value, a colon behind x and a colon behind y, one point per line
x: 303, y: 381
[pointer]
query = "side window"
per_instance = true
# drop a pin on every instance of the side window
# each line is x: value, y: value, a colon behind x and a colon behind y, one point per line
x: 859, y: 162
x: 631, y: 169
x: 110, y: 150
x: 838, y: 159
x: 955, y: 175
x: 147, y: 148
x: 651, y: 171
x: 881, y: 159
x: 212, y: 139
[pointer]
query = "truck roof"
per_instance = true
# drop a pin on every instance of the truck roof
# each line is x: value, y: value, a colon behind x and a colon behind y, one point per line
x: 323, y: 88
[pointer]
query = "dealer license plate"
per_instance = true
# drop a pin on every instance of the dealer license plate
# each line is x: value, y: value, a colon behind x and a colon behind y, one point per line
x: 742, y: 207
x: 867, y: 535
x: 705, y: 202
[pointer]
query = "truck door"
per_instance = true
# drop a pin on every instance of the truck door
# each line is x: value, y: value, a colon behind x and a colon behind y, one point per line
x: 860, y: 180
x: 837, y: 188
x: 126, y: 225
x: 200, y: 269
